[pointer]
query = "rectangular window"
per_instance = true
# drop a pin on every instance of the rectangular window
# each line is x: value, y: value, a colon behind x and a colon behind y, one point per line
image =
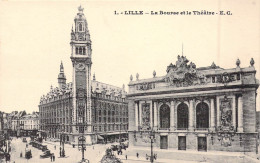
x: 213, y: 79
x: 238, y: 76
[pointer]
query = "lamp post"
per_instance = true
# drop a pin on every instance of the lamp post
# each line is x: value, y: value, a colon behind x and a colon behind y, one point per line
x: 152, y: 140
x: 62, y: 141
x: 105, y: 127
x: 82, y: 142
x: 120, y: 132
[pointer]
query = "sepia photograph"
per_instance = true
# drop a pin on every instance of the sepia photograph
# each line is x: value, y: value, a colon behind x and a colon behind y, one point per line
x: 127, y: 81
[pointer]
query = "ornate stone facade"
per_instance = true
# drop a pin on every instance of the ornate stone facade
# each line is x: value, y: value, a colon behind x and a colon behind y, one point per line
x: 84, y: 106
x: 190, y: 108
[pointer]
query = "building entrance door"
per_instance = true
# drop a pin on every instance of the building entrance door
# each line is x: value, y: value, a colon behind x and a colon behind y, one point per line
x: 164, y: 142
x: 202, y: 144
x: 181, y: 142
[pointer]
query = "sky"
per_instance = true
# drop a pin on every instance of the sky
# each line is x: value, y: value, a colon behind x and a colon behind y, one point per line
x: 35, y: 38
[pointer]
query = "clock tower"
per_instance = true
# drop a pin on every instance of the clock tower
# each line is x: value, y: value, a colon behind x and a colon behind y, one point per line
x: 81, y: 78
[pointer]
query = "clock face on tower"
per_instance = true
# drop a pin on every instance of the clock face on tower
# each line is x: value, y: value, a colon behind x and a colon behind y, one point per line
x: 80, y: 66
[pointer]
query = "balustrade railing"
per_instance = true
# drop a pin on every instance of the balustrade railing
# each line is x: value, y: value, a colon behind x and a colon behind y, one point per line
x: 182, y: 128
x: 202, y: 129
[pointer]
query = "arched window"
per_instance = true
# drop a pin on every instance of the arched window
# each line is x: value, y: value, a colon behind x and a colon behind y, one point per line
x: 80, y: 50
x: 202, y: 115
x: 164, y: 116
x: 84, y: 51
x: 182, y: 116
x: 80, y: 26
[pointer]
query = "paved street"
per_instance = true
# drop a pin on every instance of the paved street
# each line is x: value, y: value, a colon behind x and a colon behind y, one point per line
x: 73, y: 155
x: 94, y: 154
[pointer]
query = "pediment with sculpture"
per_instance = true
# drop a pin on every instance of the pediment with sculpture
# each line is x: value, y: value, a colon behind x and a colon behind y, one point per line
x: 184, y: 73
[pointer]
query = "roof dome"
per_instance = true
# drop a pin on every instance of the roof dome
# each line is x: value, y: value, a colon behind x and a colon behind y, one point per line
x: 80, y: 14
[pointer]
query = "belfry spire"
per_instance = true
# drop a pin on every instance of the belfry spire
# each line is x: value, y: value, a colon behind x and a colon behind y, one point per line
x: 61, y: 77
x: 61, y: 68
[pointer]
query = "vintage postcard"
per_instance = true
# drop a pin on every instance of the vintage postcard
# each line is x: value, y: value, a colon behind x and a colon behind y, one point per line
x: 130, y: 81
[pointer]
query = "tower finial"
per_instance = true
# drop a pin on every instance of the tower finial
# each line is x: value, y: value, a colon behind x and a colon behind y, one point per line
x: 80, y: 9
x: 238, y: 62
x: 61, y: 67
x: 252, y: 62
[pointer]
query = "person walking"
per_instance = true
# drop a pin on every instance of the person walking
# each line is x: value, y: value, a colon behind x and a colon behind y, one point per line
x: 126, y: 157
x: 53, y: 158
x: 55, y: 147
x: 137, y: 155
x: 7, y: 157
x: 60, y: 151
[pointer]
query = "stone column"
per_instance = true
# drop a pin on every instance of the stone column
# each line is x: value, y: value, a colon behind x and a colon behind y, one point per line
x: 175, y: 116
x: 172, y: 115
x: 151, y: 114
x: 191, y: 119
x: 212, y: 115
x: 140, y: 114
x: 155, y: 115
x: 234, y: 111
x: 218, y: 112
x: 240, y: 114
x: 136, y: 115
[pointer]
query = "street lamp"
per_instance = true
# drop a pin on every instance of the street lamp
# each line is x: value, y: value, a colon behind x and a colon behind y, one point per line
x: 105, y: 128
x: 82, y: 142
x: 120, y: 132
x: 153, y: 139
x: 62, y: 141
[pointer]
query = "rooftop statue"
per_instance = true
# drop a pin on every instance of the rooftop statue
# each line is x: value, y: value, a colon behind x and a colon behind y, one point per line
x: 183, y: 74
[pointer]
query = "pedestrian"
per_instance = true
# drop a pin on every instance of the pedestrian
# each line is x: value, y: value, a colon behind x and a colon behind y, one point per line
x: 7, y: 157
x: 53, y: 158
x: 60, y: 151
x: 137, y: 155
x: 126, y: 157
x: 21, y: 154
x: 55, y: 147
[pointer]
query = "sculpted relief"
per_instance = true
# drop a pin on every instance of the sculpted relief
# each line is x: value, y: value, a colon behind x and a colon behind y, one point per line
x: 226, y: 114
x: 145, y: 116
x: 183, y: 74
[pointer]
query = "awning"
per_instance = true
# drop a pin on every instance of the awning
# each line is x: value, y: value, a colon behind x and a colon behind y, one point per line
x: 100, y: 137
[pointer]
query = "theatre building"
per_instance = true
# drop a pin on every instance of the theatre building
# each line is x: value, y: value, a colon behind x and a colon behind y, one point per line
x: 195, y: 108
x: 83, y: 107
